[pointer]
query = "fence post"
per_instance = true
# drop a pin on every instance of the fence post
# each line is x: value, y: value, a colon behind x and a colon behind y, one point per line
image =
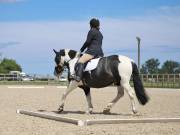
x: 163, y: 81
x: 179, y: 80
x: 168, y: 81
x: 48, y: 79
x: 147, y: 79
x: 157, y: 77
x: 152, y: 85
x: 174, y: 81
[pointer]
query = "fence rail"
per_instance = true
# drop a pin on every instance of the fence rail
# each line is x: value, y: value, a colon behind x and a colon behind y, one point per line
x: 161, y: 80
x: 149, y: 80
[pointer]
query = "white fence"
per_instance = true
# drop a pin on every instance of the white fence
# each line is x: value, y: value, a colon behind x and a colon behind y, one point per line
x: 149, y: 80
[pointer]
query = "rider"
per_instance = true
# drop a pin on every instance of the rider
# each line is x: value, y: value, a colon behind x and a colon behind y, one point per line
x: 93, y: 44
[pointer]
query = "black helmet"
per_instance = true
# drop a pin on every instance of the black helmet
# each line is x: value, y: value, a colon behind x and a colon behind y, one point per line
x: 94, y: 23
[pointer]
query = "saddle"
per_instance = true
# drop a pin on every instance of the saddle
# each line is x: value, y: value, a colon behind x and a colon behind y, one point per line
x: 91, y: 64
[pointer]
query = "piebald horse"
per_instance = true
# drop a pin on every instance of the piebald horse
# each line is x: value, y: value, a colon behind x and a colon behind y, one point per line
x: 114, y: 69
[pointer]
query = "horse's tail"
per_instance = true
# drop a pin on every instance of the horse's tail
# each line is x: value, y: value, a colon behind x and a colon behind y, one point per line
x: 138, y: 86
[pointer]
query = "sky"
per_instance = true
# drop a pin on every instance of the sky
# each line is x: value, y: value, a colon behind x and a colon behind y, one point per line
x: 31, y: 29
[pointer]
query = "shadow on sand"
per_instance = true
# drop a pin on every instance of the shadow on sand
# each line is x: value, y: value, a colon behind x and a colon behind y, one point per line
x: 93, y: 113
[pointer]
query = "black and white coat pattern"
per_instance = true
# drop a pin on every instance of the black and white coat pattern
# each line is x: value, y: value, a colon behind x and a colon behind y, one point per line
x: 114, y: 69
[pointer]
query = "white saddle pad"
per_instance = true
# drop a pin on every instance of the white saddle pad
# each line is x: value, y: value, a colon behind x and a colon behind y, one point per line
x: 92, y: 64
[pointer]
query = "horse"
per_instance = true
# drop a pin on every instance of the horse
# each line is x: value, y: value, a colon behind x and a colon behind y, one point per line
x: 113, y: 69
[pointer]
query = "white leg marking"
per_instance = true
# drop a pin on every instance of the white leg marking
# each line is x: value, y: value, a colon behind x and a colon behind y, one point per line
x: 131, y: 94
x: 72, y: 86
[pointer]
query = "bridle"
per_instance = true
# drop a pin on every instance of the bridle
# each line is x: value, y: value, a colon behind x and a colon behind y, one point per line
x: 60, y: 67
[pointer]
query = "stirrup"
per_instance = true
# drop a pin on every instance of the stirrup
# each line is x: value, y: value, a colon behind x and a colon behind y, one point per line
x: 74, y: 77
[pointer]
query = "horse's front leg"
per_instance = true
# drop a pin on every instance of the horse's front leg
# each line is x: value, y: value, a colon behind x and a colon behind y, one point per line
x: 71, y: 87
x: 90, y: 106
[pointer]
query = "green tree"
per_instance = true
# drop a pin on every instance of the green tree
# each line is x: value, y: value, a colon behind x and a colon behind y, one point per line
x: 7, y: 65
x: 170, y: 67
x: 144, y: 69
x: 151, y: 66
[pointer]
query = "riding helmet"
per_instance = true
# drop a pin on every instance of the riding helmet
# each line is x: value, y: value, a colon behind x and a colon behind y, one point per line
x: 94, y: 23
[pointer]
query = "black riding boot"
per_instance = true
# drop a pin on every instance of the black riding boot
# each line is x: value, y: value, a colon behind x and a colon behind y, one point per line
x: 79, y: 71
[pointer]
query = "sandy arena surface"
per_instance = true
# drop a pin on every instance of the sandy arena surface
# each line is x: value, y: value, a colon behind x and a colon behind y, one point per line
x: 163, y: 103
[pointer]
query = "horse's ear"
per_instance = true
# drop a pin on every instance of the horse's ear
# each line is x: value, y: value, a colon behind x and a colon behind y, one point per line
x: 55, y: 51
x: 62, y: 52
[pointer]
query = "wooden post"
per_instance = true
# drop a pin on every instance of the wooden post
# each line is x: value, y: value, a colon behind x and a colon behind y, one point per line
x: 138, y: 41
x: 48, y: 116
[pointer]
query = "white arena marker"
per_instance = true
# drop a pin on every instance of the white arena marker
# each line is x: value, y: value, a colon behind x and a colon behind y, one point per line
x: 62, y: 87
x: 140, y: 120
x: 50, y: 116
x: 98, y: 121
x: 26, y: 87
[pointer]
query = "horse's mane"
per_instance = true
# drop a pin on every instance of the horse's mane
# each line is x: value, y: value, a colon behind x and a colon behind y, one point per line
x: 72, y: 53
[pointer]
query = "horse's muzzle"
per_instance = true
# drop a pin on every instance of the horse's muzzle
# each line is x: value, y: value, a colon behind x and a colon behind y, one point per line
x: 58, y: 70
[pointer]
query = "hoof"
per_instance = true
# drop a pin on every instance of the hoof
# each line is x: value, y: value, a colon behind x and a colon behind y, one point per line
x: 60, y: 109
x: 106, y: 111
x: 135, y: 111
x: 89, y: 111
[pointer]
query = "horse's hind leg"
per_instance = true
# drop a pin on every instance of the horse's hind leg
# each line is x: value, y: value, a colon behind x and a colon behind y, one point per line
x: 131, y: 94
x: 120, y: 93
x: 71, y: 87
x: 88, y: 98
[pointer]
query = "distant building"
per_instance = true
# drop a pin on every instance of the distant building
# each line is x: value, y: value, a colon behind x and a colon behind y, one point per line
x: 14, y: 72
